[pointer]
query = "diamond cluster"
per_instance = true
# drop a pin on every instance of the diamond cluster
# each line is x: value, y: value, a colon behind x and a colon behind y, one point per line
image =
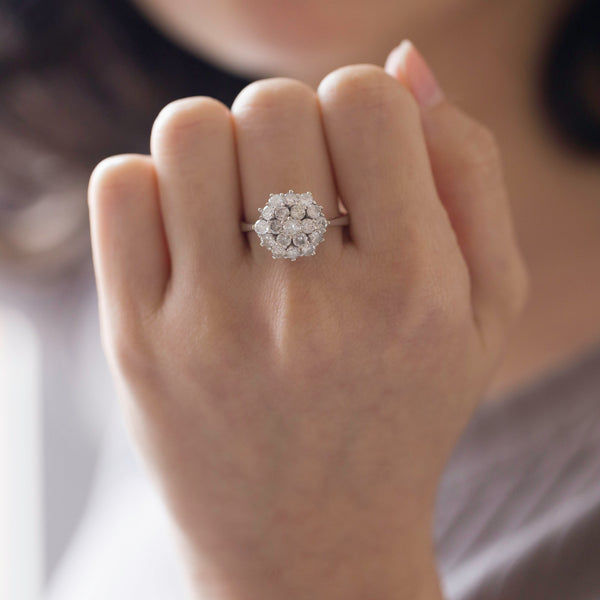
x: 291, y: 225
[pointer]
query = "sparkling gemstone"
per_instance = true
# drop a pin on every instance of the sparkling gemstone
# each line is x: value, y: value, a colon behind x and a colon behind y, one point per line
x: 268, y: 212
x: 300, y: 239
x: 316, y: 237
x: 278, y: 251
x: 297, y: 211
x: 284, y: 239
x: 267, y: 239
x: 261, y: 226
x: 276, y: 200
x: 313, y: 211
x: 292, y: 226
x: 308, y: 225
x: 282, y: 212
x: 292, y: 252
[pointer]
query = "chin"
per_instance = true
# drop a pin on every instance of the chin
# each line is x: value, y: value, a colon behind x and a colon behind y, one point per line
x: 307, y: 55
x: 309, y: 63
x: 276, y: 37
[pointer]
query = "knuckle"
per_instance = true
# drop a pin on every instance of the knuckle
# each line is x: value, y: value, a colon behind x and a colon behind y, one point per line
x: 115, y: 177
x: 365, y: 87
x: 435, y: 302
x: 443, y: 308
x: 187, y: 119
x: 520, y: 289
x: 509, y: 300
x: 512, y: 287
x: 127, y: 344
x: 434, y: 318
x: 480, y: 149
x: 279, y: 93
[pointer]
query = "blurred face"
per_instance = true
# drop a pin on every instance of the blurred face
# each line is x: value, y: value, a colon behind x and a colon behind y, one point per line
x: 298, y: 38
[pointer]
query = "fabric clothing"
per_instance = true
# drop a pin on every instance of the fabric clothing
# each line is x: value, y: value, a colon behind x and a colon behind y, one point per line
x: 518, y: 513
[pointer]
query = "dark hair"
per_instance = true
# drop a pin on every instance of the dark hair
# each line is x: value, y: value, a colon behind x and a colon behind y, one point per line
x: 79, y: 81
x: 83, y: 80
x: 570, y: 77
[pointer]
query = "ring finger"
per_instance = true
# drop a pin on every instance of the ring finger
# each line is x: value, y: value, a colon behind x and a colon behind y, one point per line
x: 281, y: 146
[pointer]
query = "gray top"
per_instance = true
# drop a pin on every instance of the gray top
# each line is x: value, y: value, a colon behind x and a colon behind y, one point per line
x: 518, y: 514
x: 519, y: 506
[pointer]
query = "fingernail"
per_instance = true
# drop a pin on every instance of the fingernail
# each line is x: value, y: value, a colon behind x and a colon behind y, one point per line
x: 405, y: 63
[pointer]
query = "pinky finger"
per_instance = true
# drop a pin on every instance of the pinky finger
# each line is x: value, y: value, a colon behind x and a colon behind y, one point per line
x: 467, y: 168
x: 130, y: 251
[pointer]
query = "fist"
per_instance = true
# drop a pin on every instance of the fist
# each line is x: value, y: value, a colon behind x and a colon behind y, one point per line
x: 297, y: 415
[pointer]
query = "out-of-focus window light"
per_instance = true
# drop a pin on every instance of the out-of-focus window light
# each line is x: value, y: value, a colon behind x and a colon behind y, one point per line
x: 21, y: 554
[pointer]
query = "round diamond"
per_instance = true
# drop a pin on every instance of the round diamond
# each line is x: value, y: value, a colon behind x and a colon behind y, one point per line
x: 267, y: 239
x: 292, y: 252
x: 277, y: 251
x: 261, y: 226
x: 308, y: 225
x: 275, y: 226
x: 292, y: 226
x: 300, y: 239
x: 284, y: 239
x: 313, y: 211
x: 268, y: 212
x: 282, y: 213
x: 316, y: 237
x: 276, y: 200
x: 290, y: 198
x: 321, y: 222
x: 297, y: 211
x: 308, y: 250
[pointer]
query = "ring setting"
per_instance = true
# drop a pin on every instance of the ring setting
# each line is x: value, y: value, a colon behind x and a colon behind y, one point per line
x: 291, y: 225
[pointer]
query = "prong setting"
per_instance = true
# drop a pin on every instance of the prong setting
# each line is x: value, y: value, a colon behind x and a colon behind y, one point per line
x: 291, y: 225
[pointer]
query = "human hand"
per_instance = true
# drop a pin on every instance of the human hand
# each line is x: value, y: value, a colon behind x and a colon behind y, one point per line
x: 298, y: 415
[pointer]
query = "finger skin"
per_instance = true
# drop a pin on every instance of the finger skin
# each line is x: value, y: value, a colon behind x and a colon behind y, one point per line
x: 193, y: 148
x: 131, y: 256
x: 281, y: 146
x: 379, y: 156
x: 467, y: 168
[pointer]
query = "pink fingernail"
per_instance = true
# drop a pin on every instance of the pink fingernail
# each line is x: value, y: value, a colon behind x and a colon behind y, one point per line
x: 405, y: 63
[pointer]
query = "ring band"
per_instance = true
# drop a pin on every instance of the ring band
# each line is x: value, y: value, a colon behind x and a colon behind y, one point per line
x: 292, y: 225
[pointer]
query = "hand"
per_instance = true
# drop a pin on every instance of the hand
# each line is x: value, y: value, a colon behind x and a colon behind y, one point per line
x: 298, y: 415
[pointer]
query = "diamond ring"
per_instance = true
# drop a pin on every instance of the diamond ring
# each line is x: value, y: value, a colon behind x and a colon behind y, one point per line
x: 292, y: 225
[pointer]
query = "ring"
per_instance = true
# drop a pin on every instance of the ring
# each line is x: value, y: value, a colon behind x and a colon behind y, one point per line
x: 292, y: 225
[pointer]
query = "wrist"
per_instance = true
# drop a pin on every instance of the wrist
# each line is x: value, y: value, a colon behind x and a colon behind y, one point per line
x: 341, y: 558
x: 358, y: 579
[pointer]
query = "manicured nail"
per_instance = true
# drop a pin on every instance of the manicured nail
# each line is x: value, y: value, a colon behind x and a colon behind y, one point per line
x: 405, y: 63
